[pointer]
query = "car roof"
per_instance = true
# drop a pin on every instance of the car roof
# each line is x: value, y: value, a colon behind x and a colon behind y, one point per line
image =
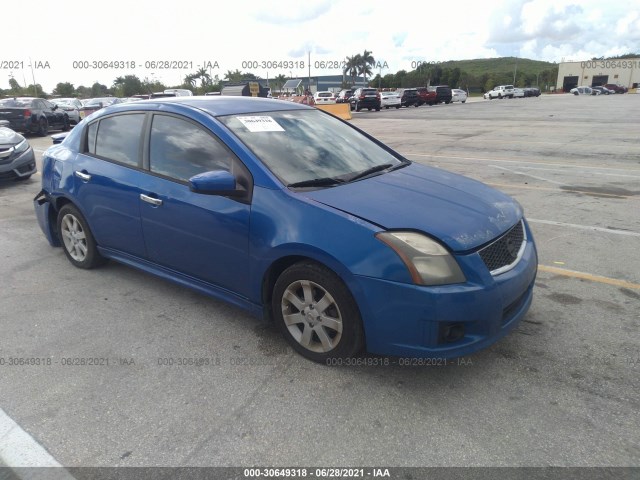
x: 219, y: 105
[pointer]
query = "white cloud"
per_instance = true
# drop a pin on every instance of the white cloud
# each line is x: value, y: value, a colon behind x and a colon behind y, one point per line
x: 252, y: 30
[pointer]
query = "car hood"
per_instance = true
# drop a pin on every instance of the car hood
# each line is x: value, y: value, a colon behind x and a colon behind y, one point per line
x: 461, y: 212
x: 9, y: 137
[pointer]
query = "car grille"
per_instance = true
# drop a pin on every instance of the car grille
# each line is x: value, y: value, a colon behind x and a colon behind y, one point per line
x: 504, y: 253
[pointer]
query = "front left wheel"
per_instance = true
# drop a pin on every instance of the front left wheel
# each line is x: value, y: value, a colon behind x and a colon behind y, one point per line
x: 316, y: 313
x: 76, y: 238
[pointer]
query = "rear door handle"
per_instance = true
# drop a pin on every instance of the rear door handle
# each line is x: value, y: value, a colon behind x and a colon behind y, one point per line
x: 85, y: 177
x: 151, y: 200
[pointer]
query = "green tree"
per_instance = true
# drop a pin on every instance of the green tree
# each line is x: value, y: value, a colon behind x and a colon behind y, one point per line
x: 99, y: 90
x: 351, y: 68
x: 16, y: 89
x: 83, y: 92
x: 205, y: 78
x: 365, y: 62
x: 64, y: 89
x: 127, y: 86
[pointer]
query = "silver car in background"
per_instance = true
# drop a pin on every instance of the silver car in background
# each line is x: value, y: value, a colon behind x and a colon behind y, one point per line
x: 71, y: 106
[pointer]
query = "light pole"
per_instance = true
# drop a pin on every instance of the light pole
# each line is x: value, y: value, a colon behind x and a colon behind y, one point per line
x: 35, y: 89
x: 514, y: 72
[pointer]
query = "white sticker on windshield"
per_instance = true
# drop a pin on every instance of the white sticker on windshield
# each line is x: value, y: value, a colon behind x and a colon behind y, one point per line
x: 261, y: 124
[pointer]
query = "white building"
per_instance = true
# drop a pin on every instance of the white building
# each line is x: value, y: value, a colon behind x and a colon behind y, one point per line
x: 591, y: 73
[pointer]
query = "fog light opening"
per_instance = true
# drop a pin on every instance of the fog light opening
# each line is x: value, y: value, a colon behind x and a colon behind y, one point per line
x: 451, y: 332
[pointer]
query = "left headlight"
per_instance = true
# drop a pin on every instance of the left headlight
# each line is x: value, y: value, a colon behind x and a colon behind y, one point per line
x: 23, y: 146
x: 428, y: 262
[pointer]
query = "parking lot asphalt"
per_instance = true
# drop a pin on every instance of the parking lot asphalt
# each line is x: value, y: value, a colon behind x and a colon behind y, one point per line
x: 560, y: 390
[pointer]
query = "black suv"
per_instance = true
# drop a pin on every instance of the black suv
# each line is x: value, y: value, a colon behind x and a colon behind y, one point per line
x: 365, y: 98
x: 443, y: 93
x: 409, y: 97
x: 344, y: 96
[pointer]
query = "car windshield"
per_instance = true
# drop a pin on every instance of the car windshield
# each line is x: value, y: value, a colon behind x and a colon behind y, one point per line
x: 15, y: 102
x: 304, y: 145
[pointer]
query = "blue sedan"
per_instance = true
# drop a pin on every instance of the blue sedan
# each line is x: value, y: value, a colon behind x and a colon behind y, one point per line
x: 296, y: 216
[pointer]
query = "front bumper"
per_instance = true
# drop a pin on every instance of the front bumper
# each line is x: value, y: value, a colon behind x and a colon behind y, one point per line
x: 416, y: 321
x: 18, y: 166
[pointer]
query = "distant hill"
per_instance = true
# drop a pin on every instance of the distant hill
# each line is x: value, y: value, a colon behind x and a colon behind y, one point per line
x: 480, y: 66
x: 477, y: 75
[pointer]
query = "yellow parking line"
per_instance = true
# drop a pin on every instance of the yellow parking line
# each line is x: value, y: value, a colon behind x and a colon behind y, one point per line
x: 588, y: 276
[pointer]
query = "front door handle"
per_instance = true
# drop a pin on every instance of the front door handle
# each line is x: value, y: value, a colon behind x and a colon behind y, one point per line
x: 85, y: 177
x: 151, y: 200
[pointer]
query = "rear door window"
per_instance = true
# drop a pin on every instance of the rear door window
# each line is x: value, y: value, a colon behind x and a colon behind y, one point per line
x: 119, y: 137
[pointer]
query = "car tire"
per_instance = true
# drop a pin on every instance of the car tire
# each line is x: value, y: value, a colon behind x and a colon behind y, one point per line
x: 462, y: 101
x: 369, y: 108
x: 377, y: 109
x: 76, y: 238
x: 358, y: 108
x: 43, y: 127
x: 65, y: 124
x: 398, y: 106
x: 316, y: 313
x: 386, y: 107
x: 448, y: 102
x: 499, y: 96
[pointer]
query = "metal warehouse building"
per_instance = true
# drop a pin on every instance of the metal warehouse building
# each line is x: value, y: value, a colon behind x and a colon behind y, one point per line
x: 592, y: 73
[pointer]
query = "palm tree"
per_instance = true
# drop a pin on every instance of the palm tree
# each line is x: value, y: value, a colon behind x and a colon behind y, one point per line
x: 190, y: 80
x: 366, y: 61
x: 203, y: 75
x: 279, y: 81
x: 351, y: 67
x: 233, y: 77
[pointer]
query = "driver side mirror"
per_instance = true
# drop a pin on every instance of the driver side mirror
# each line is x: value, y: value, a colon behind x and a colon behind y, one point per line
x: 216, y: 182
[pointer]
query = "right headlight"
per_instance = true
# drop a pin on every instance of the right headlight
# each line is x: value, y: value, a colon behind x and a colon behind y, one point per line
x: 428, y: 262
x: 21, y: 147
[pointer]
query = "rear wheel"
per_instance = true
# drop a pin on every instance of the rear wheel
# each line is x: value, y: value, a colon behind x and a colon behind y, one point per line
x: 398, y: 106
x: 316, y: 313
x: 43, y: 127
x: 76, y: 238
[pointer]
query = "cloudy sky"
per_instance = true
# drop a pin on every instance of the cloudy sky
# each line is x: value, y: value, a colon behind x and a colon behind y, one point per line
x: 226, y: 34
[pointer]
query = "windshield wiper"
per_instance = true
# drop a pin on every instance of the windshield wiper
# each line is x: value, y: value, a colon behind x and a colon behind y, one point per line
x: 316, y: 182
x: 369, y: 171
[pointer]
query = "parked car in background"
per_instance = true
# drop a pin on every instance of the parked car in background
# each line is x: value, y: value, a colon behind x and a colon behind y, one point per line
x: 518, y: 93
x: 426, y: 96
x: 33, y: 115
x: 368, y: 98
x: 70, y: 105
x: 531, y: 92
x: 443, y: 93
x: 324, y: 98
x: 603, y: 90
x: 583, y: 91
x: 344, y: 96
x: 409, y: 97
x: 95, y: 104
x: 617, y: 87
x: 17, y: 159
x: 458, y: 95
x: 390, y: 99
x: 243, y: 199
x: 500, y: 91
